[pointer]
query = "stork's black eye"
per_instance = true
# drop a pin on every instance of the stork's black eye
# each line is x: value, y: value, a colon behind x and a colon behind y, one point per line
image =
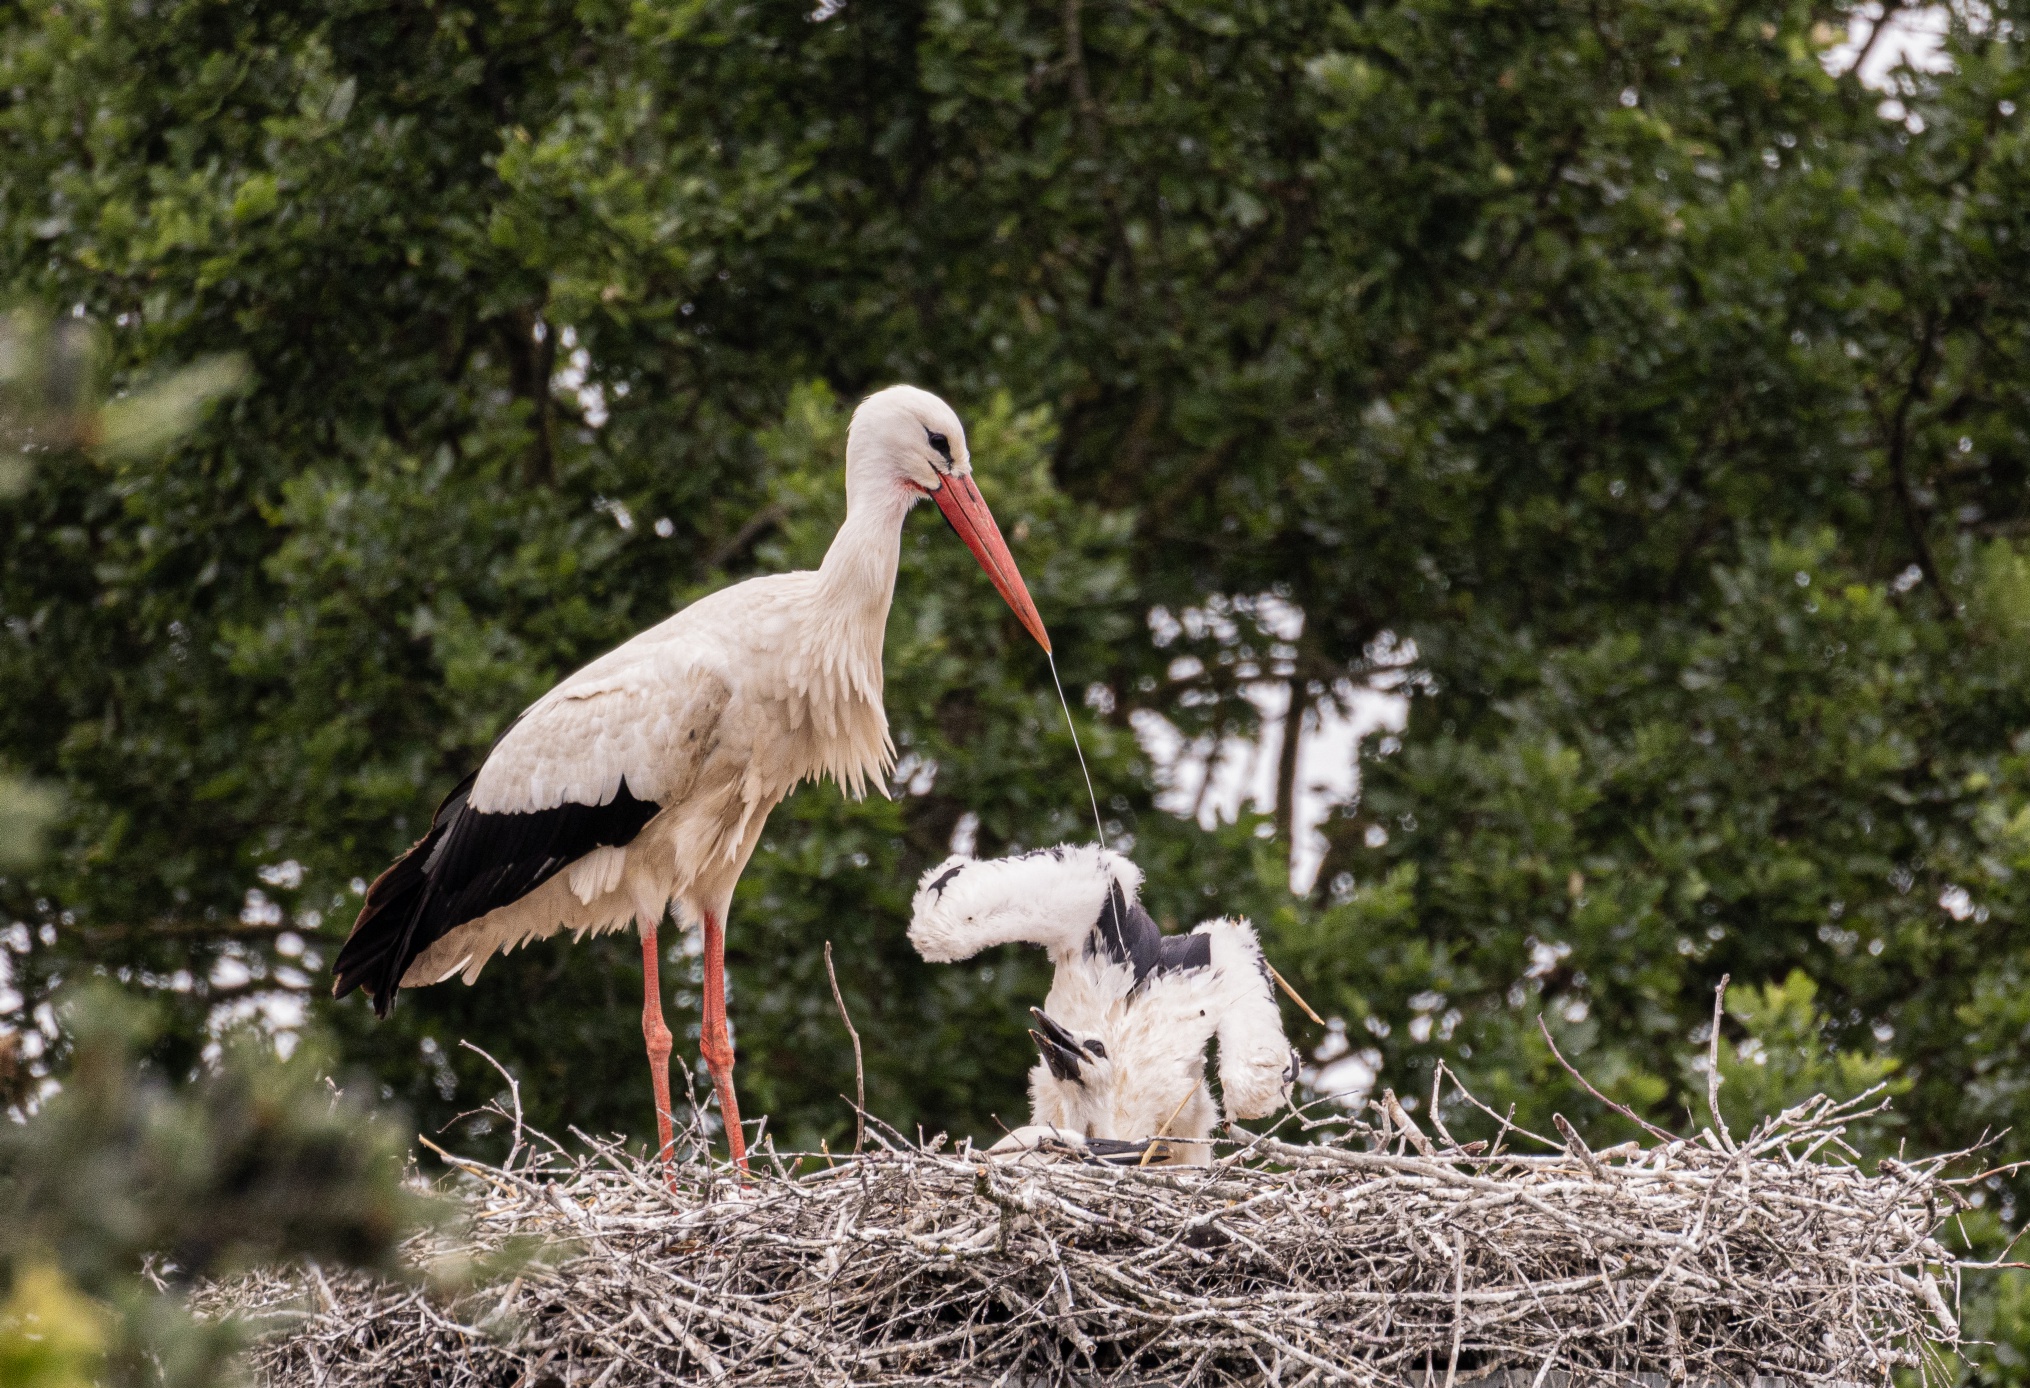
x: 1096, y: 1048
x: 942, y: 444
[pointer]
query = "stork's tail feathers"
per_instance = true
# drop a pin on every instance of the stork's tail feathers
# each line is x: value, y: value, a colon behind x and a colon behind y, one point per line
x: 383, y: 939
x: 374, y: 955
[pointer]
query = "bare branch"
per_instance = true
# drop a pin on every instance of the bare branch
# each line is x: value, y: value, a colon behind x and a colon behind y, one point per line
x: 859, y: 1070
x: 1626, y: 1112
x: 1713, y: 1065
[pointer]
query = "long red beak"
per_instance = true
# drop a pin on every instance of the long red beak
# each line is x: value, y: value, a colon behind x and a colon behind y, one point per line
x: 966, y: 510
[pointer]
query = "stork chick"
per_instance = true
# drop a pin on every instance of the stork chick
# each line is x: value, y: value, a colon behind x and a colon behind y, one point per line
x: 1122, y: 1034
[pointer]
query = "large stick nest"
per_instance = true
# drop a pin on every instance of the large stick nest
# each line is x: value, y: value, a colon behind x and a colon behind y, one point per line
x: 1374, y: 1256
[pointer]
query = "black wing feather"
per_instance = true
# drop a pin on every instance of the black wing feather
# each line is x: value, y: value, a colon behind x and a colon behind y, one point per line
x: 1127, y: 934
x: 468, y: 864
x: 1182, y: 952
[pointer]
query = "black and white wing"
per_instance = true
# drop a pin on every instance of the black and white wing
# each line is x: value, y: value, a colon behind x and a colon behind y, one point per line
x: 585, y: 769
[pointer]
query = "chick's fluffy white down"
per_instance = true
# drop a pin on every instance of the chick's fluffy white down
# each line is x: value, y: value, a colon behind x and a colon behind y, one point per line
x: 1050, y: 897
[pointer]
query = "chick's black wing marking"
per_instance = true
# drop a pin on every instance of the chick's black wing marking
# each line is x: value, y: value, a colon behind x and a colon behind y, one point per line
x: 1126, y: 934
x: 1178, y: 953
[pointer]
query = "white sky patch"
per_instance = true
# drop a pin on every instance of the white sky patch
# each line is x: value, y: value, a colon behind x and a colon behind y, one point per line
x: 1341, y: 1074
x: 966, y: 834
x: 574, y: 378
x: 1211, y: 780
x: 1914, y: 36
x: 279, y: 1015
x: 915, y: 774
x: 287, y: 874
x: 228, y: 972
x: 259, y: 910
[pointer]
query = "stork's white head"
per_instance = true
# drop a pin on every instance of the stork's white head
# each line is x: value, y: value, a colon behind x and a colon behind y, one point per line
x: 906, y: 439
x: 905, y: 443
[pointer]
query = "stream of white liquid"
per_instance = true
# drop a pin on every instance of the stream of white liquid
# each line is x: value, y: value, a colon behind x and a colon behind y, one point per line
x: 1099, y: 825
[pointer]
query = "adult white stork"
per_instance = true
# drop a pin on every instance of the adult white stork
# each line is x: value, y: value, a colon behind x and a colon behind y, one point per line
x: 643, y: 781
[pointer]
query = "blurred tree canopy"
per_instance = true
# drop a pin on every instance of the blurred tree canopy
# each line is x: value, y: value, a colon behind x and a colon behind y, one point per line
x: 120, y: 1188
x: 1648, y: 404
x: 124, y: 1191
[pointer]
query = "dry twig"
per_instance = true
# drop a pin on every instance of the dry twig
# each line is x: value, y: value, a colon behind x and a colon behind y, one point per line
x: 859, y: 1071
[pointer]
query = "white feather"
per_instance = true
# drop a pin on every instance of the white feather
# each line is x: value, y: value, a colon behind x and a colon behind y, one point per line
x: 1051, y: 897
x: 1254, y: 1054
x: 597, y: 873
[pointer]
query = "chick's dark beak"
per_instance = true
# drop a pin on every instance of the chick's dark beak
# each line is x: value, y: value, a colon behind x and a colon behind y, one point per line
x: 1059, y: 1048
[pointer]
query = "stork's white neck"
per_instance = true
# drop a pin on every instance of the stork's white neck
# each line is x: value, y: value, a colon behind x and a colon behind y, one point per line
x: 858, y: 575
x: 831, y: 671
x: 838, y: 663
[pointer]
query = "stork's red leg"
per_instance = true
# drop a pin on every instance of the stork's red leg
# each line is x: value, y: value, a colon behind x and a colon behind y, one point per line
x: 656, y: 1033
x: 714, y: 1041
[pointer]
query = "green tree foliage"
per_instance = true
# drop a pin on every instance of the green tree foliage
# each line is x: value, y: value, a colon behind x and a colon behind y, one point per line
x: 1647, y: 403
x: 120, y: 1172
x: 51, y: 399
x: 118, y: 1190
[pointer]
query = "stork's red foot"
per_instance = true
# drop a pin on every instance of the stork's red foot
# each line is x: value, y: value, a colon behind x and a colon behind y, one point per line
x: 655, y: 1034
x: 729, y: 1106
x: 716, y: 1044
